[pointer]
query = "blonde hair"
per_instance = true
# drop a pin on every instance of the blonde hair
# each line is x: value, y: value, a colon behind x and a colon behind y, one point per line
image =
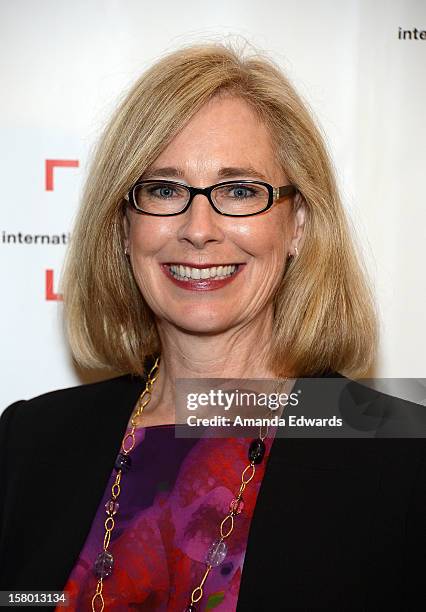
x: 324, y: 316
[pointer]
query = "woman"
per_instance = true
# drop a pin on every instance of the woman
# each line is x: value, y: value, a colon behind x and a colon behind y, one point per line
x: 211, y: 243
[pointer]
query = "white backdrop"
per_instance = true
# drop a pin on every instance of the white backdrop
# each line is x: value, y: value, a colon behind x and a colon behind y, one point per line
x: 64, y: 65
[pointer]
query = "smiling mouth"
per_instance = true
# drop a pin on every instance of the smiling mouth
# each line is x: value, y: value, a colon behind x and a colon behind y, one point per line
x: 186, y: 273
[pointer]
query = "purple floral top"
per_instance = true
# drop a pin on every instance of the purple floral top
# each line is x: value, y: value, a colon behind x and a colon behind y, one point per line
x: 171, y: 504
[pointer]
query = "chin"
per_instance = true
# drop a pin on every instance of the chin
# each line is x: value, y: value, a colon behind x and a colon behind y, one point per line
x: 195, y: 323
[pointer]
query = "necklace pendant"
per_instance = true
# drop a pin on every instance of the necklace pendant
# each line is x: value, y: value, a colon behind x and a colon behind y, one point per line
x: 236, y: 506
x: 216, y: 553
x: 112, y: 507
x: 123, y: 462
x: 103, y: 564
x: 256, y: 451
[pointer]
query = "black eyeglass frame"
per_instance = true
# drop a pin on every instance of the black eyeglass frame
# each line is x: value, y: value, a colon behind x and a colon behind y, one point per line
x: 275, y: 193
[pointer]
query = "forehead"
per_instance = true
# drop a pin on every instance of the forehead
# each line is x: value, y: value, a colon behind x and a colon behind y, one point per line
x: 225, y: 132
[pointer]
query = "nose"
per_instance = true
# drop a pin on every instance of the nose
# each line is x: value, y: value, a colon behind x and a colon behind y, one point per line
x: 201, y: 224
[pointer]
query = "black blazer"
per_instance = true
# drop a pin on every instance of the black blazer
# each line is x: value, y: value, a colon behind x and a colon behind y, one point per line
x: 339, y: 524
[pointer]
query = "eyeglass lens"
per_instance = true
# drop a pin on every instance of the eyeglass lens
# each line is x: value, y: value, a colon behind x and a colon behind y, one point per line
x: 232, y: 198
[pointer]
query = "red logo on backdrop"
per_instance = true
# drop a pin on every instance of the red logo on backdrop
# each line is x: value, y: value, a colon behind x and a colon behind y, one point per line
x: 51, y: 164
x: 51, y: 295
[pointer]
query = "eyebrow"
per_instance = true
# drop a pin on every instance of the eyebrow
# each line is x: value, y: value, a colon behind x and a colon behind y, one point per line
x: 223, y: 173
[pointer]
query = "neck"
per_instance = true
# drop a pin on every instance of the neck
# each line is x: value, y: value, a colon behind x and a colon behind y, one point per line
x: 241, y: 352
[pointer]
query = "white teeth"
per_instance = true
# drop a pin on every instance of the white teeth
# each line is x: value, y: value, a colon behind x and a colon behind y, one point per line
x: 185, y: 272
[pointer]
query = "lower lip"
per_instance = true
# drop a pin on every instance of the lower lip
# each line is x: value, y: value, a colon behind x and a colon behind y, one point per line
x: 202, y: 284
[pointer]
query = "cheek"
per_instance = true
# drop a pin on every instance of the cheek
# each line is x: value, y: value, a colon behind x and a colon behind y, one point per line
x: 265, y: 236
x: 147, y: 235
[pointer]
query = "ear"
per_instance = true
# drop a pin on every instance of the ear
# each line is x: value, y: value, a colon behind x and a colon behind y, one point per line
x: 299, y: 215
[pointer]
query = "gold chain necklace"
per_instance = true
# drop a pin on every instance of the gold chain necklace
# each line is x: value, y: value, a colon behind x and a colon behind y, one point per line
x: 104, y: 562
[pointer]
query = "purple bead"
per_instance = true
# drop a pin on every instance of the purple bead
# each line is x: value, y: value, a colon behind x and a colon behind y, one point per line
x: 123, y: 462
x: 103, y: 564
x: 256, y: 451
x: 216, y: 553
x: 190, y: 608
x: 112, y: 507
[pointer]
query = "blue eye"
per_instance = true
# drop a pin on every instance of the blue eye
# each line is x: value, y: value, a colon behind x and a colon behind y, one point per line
x: 240, y: 192
x: 164, y: 191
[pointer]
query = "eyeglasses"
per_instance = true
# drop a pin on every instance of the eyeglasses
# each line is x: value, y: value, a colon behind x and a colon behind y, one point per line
x: 230, y: 198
